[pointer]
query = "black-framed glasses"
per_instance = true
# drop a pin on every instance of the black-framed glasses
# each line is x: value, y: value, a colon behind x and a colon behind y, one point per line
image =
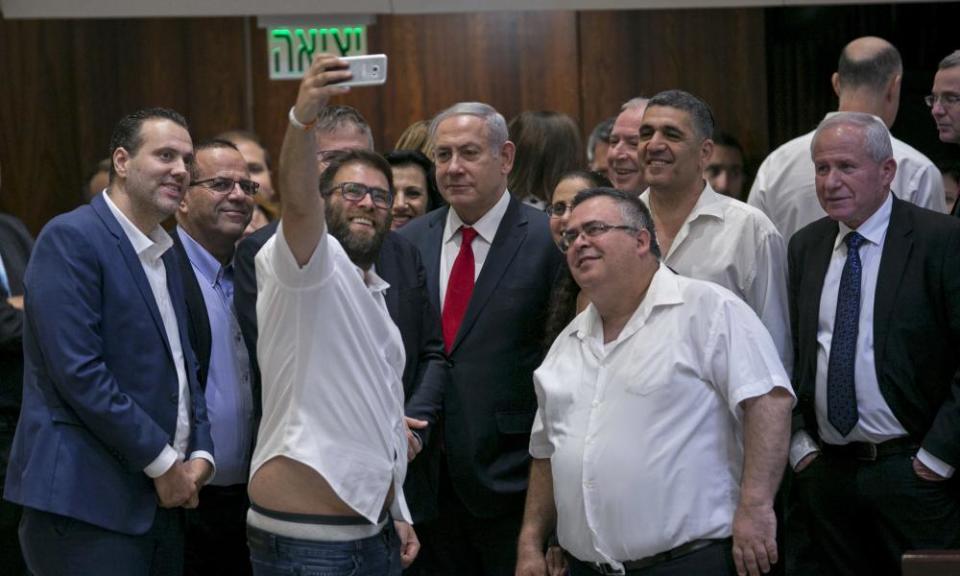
x: 558, y: 209
x: 355, y: 191
x: 946, y: 100
x: 224, y: 186
x: 590, y: 230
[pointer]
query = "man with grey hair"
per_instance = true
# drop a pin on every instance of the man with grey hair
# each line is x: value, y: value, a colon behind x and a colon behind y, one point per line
x: 597, y: 146
x: 623, y: 160
x: 944, y: 102
x: 664, y: 415
x: 703, y: 234
x: 340, y: 128
x: 875, y: 309
x: 867, y: 80
x: 490, y: 263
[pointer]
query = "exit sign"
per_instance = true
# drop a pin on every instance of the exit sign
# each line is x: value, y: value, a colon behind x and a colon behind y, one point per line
x: 291, y: 49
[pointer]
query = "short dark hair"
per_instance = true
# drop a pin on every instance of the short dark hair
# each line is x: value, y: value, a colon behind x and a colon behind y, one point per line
x: 596, y: 179
x: 332, y: 118
x: 699, y: 111
x: 347, y: 157
x: 873, y: 72
x: 237, y: 136
x: 721, y: 138
x: 210, y: 144
x: 634, y: 211
x: 127, y: 135
x: 420, y: 160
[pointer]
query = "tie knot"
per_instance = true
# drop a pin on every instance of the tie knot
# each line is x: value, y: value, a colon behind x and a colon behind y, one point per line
x: 854, y: 240
x: 468, y: 234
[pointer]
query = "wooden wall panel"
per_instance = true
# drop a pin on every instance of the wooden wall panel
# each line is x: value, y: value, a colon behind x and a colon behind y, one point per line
x: 717, y: 55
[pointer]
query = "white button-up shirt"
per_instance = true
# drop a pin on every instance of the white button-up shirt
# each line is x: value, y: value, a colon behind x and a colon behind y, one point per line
x: 725, y: 241
x: 332, y: 362
x: 644, y: 433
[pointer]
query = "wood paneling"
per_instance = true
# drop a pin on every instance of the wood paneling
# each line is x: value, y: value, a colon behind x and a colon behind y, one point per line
x: 64, y: 83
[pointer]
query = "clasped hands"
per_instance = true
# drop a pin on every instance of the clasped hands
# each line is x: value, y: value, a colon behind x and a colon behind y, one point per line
x: 181, y: 484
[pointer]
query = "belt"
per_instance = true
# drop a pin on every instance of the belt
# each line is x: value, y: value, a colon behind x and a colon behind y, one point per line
x: 869, y: 452
x: 672, y: 554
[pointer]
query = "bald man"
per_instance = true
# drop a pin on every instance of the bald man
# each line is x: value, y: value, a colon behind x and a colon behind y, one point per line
x: 867, y: 80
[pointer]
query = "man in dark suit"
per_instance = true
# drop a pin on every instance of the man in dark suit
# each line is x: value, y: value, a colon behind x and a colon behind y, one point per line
x: 875, y: 309
x: 490, y: 264
x: 113, y: 436
x: 397, y: 261
x: 15, y: 246
x: 212, y: 216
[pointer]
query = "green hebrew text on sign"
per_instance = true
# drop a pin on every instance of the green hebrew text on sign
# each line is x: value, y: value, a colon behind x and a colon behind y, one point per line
x: 290, y: 50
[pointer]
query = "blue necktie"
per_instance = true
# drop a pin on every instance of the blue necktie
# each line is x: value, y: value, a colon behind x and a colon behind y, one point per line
x: 841, y: 390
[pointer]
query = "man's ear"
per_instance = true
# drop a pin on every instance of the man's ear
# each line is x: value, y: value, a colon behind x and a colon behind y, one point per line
x: 507, y: 153
x: 835, y: 82
x: 120, y: 158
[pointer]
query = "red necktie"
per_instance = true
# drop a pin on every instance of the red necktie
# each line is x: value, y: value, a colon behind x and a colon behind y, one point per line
x: 459, y: 288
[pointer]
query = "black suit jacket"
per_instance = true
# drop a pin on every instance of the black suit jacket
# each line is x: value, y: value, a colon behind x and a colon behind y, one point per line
x: 199, y: 328
x: 15, y: 246
x: 425, y: 372
x: 916, y: 323
x: 490, y: 405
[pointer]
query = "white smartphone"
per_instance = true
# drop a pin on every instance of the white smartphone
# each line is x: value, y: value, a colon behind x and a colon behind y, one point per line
x: 368, y: 70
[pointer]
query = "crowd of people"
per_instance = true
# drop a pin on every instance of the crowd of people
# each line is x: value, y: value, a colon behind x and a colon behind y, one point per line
x: 492, y: 350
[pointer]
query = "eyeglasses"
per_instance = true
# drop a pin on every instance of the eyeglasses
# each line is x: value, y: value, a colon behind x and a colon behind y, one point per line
x: 590, y: 230
x: 946, y: 100
x: 558, y: 209
x: 224, y: 186
x: 354, y: 192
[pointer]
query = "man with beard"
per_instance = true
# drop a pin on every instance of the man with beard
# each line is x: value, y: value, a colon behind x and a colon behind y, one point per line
x: 113, y: 436
x: 364, y: 232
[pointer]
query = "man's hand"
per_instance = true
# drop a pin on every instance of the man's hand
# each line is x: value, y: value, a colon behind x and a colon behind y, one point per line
x: 754, y: 539
x: 176, y: 487
x: 318, y: 85
x: 805, y: 461
x: 16, y: 301
x: 556, y: 562
x: 921, y: 470
x: 409, y: 543
x: 530, y: 561
x: 414, y: 445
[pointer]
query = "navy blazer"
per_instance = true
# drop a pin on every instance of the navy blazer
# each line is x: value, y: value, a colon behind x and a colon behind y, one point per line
x: 916, y: 331
x: 425, y: 373
x: 490, y: 403
x: 100, y: 390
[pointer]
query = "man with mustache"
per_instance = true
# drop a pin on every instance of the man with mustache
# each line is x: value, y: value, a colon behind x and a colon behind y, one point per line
x: 113, y: 436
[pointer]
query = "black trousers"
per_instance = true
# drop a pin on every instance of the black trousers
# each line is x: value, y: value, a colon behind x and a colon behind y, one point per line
x: 216, y: 534
x: 458, y: 543
x: 715, y: 560
x: 863, y: 515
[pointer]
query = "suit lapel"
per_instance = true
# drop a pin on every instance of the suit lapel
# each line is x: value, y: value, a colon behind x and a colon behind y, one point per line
x: 896, y: 252
x: 431, y: 255
x: 132, y: 262
x: 508, y: 239
x: 387, y: 269
x: 815, y: 270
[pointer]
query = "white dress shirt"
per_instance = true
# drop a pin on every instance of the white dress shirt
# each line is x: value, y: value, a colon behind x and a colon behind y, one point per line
x: 332, y: 362
x: 149, y: 250
x: 725, y: 241
x: 486, y: 228
x: 644, y: 433
x: 784, y: 187
x: 876, y: 423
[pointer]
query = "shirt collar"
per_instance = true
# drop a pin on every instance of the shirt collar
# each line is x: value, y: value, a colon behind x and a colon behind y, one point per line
x: 208, y: 266
x: 486, y: 226
x: 710, y: 203
x: 150, y: 247
x: 874, y: 228
x: 374, y: 282
x: 664, y: 290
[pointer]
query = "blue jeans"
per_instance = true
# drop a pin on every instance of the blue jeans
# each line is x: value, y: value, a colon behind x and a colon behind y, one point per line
x: 273, y: 555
